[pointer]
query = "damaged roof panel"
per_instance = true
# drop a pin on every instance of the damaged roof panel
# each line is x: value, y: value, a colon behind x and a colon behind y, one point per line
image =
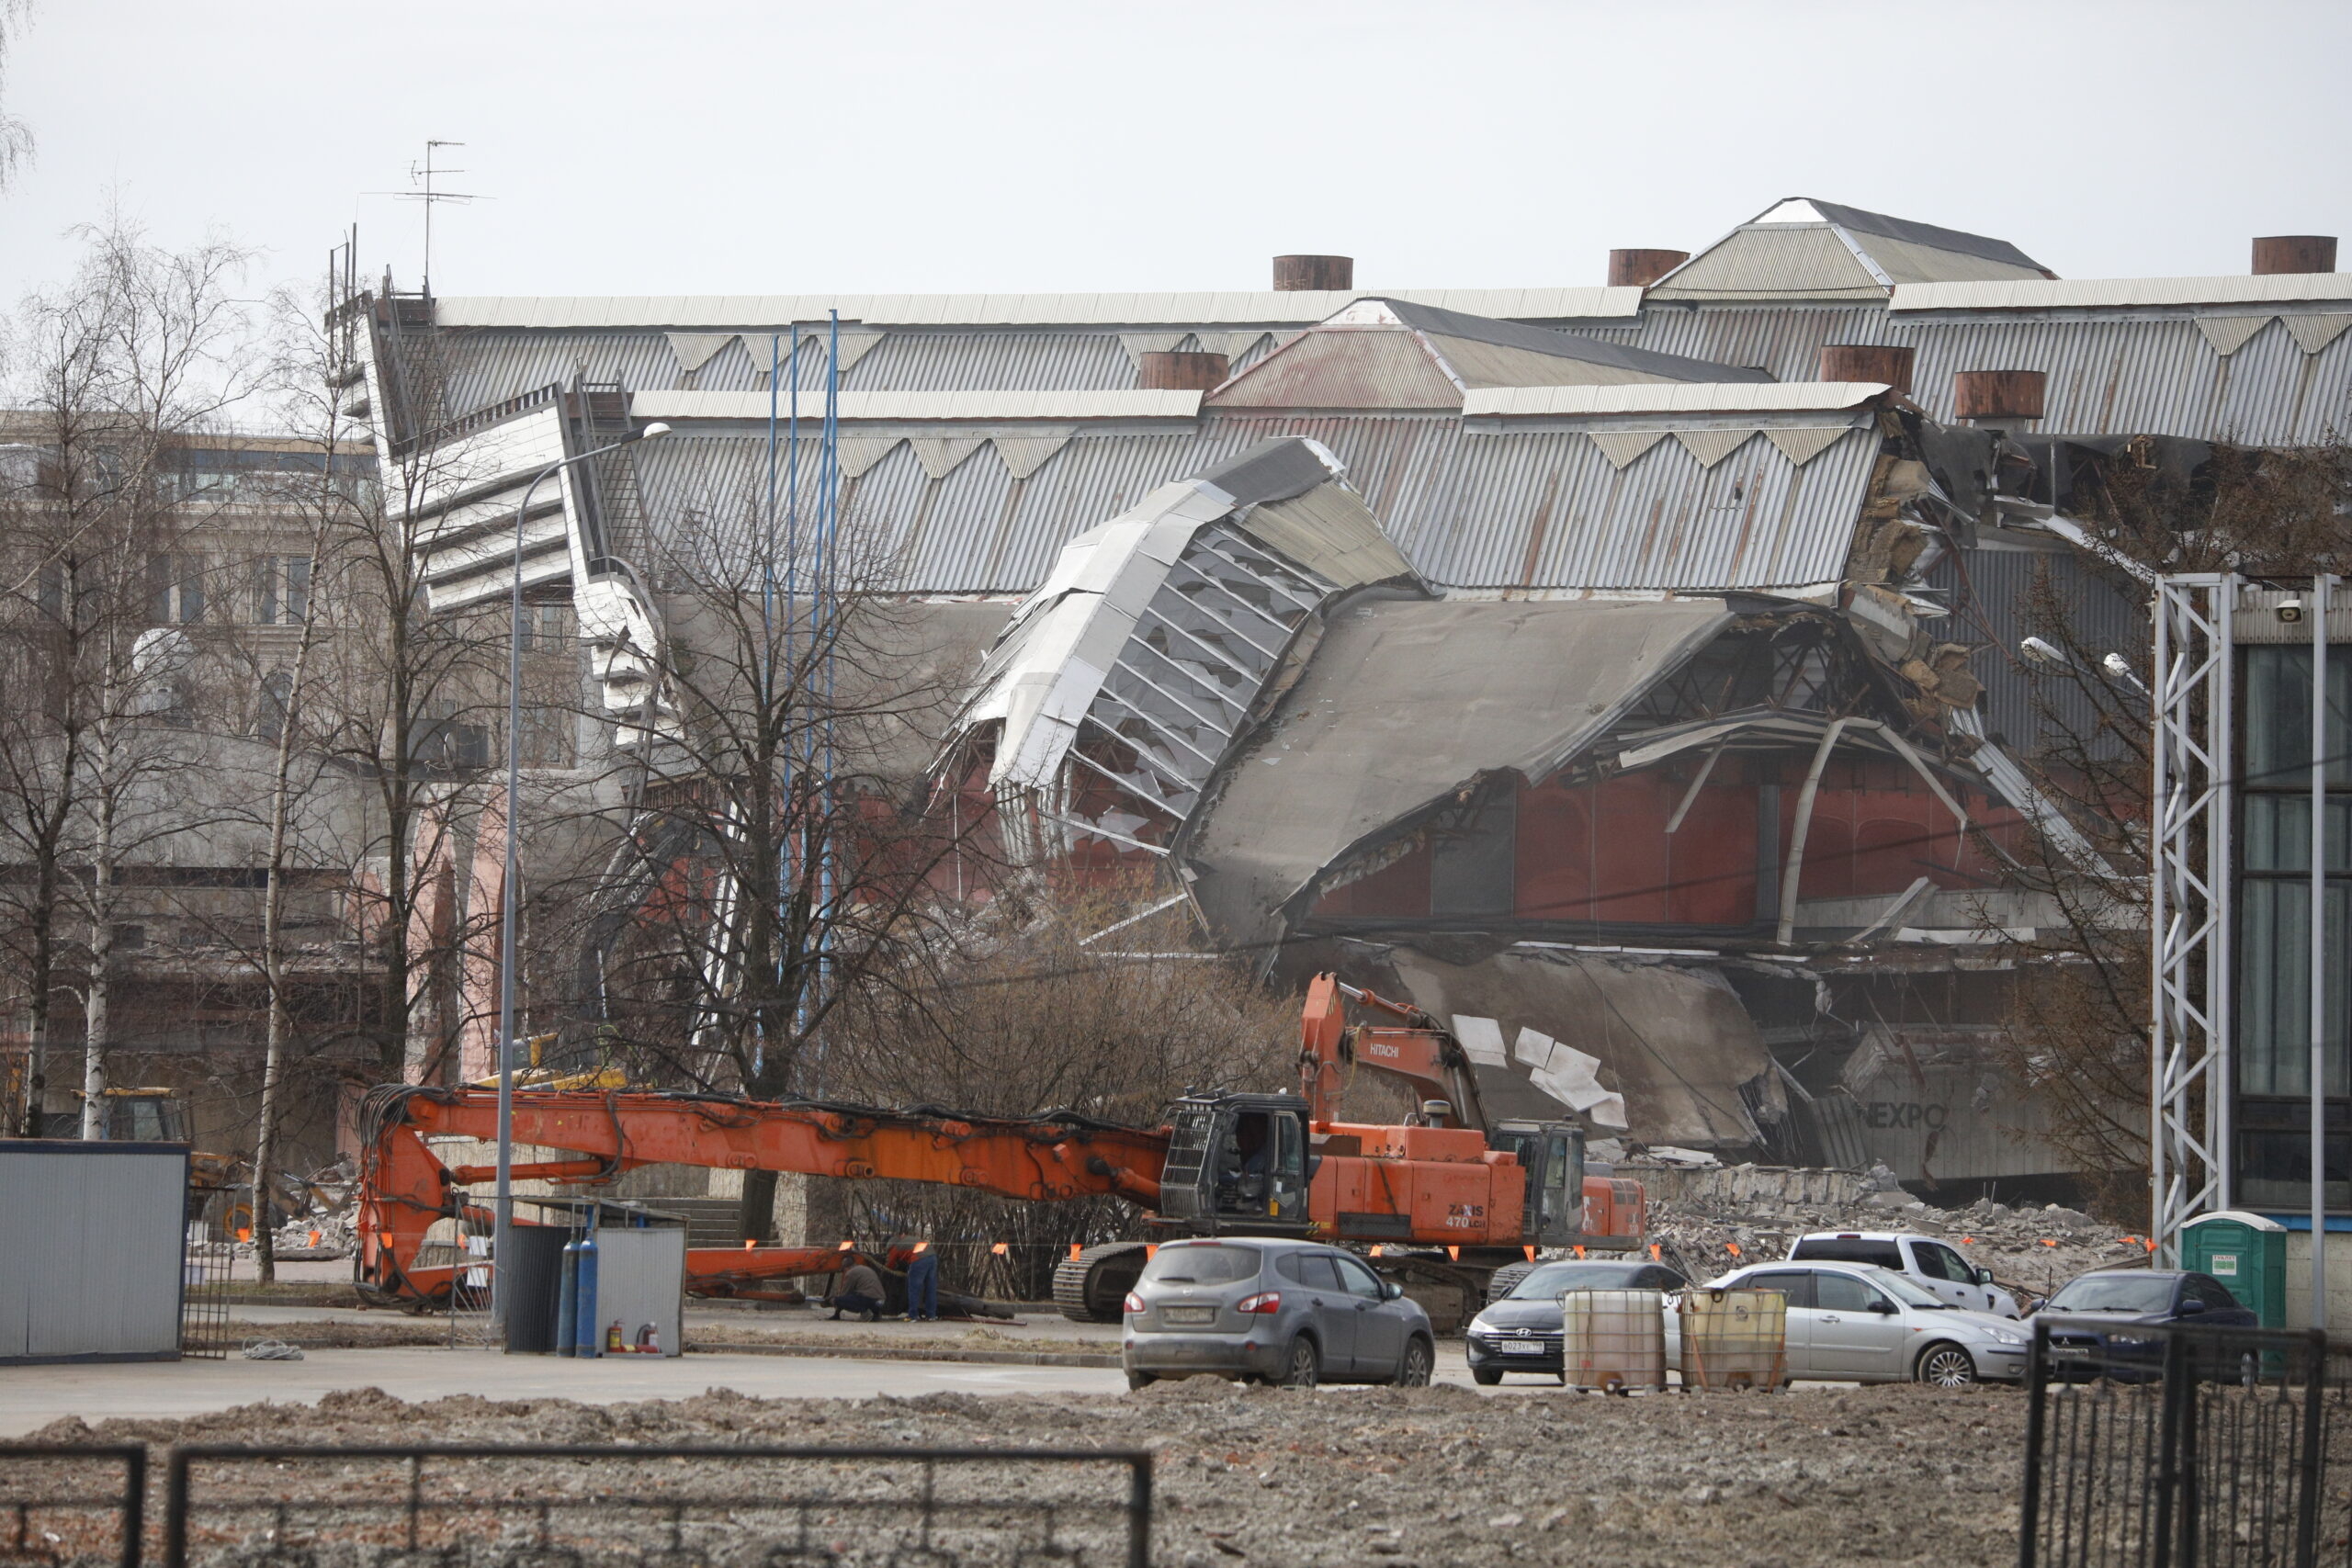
x: 1404, y: 701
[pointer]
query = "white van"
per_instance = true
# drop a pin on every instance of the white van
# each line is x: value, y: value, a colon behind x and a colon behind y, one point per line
x: 1933, y: 1265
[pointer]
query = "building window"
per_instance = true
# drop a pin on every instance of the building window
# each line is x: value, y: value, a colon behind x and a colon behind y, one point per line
x: 281, y: 590
x: 547, y: 629
x: 176, y: 589
x: 2274, y: 905
x: 545, y: 737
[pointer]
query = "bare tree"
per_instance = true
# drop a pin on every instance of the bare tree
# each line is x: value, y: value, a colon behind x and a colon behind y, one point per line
x: 16, y: 136
x: 777, y: 859
x: 114, y: 373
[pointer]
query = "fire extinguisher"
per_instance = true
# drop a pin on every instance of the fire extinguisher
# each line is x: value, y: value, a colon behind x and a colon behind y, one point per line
x: 614, y: 1344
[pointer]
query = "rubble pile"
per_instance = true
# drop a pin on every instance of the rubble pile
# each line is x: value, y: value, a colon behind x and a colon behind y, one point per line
x: 311, y: 1239
x: 1710, y: 1222
x: 1428, y: 1477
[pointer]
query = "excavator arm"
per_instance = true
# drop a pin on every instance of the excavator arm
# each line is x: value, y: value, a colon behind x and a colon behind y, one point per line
x: 1423, y: 1052
x: 405, y: 1188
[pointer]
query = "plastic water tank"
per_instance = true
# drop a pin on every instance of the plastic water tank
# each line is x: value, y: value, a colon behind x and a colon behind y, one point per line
x: 1614, y: 1339
x: 1735, y: 1339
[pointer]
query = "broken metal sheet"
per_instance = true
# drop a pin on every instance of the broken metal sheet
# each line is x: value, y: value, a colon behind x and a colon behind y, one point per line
x: 2229, y: 333
x: 1405, y: 702
x: 2312, y: 333
x: 1621, y: 446
x: 1153, y: 635
x: 1674, y: 1041
x: 1331, y: 532
x: 1024, y: 455
x: 1711, y: 446
x: 1803, y: 443
x: 1481, y: 1039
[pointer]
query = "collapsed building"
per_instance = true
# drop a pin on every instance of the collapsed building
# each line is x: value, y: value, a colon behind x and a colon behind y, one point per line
x: 1626, y: 673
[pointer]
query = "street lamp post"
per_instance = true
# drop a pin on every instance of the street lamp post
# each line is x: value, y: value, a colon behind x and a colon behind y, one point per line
x: 504, y: 1228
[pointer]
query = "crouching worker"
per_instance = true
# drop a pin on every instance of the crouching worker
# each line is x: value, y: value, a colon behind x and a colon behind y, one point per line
x: 861, y: 1291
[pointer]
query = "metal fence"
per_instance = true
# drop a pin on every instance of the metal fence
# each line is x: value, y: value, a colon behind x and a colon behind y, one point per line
x: 207, y: 1261
x: 2180, y: 1446
x: 578, y: 1506
x: 564, y: 1506
x: 72, y: 1505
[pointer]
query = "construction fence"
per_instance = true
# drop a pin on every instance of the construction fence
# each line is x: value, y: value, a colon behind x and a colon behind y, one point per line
x: 574, y: 1507
x: 2172, y: 1446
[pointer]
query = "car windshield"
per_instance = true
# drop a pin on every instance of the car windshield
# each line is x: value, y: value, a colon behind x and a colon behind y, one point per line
x: 1555, y: 1278
x: 1206, y: 1263
x: 2113, y: 1292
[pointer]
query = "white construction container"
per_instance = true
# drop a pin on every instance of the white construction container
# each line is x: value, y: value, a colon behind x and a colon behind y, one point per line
x: 1735, y: 1339
x: 1614, y: 1339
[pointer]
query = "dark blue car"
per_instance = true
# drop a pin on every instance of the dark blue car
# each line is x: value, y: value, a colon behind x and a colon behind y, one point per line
x: 2100, y: 1323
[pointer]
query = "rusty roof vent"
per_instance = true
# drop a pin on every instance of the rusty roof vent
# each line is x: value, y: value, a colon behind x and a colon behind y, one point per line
x: 1639, y: 269
x: 1999, y: 395
x: 1295, y: 274
x: 1165, y: 370
x: 2277, y: 254
x: 1867, y: 362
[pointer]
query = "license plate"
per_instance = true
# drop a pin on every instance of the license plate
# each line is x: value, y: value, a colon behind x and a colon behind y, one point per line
x: 1520, y: 1348
x: 1189, y: 1314
x: 2070, y: 1352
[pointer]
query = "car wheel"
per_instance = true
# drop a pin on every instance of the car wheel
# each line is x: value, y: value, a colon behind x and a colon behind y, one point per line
x: 1413, y: 1367
x: 1140, y: 1379
x: 1947, y: 1366
x: 1303, y: 1368
x: 1487, y: 1377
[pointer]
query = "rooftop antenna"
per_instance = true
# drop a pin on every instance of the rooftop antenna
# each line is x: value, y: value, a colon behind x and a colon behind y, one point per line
x: 423, y: 175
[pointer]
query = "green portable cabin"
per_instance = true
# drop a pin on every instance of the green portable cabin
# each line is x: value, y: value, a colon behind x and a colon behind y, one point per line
x: 2248, y: 1253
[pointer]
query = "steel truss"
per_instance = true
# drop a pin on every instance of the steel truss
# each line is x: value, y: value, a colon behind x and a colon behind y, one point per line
x: 2193, y: 814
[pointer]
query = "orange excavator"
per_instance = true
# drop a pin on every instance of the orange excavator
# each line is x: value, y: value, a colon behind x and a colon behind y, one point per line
x: 1439, y: 1202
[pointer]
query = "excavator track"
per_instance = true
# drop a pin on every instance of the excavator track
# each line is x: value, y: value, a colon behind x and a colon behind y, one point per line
x: 1093, y: 1286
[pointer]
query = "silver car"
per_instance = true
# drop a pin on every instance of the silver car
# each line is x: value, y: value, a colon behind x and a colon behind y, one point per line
x: 1287, y: 1311
x: 1852, y: 1322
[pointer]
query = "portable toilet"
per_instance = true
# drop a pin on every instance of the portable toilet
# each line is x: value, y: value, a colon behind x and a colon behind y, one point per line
x: 2248, y: 1253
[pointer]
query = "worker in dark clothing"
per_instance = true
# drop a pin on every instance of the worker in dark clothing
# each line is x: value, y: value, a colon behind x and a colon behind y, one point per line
x: 861, y: 1291
x: 922, y: 1284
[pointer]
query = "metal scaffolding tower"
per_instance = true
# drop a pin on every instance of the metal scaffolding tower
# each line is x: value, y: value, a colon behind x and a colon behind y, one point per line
x: 2190, y: 923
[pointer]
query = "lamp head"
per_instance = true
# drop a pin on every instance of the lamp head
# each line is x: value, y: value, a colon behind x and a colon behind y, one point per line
x: 2115, y: 665
x: 653, y: 431
x: 2038, y: 652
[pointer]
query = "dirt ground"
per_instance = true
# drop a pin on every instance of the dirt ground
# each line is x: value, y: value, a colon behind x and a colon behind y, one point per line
x: 1431, y: 1476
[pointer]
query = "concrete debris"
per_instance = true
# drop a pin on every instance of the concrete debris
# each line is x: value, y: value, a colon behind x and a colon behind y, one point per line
x: 1708, y: 1222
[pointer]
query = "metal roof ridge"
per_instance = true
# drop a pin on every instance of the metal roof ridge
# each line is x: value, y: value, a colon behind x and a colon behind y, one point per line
x: 1136, y: 308
x: 1052, y: 403
x: 2044, y: 294
x: 1685, y: 397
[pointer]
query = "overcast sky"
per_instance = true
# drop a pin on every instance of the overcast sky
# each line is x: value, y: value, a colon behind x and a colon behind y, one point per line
x: 702, y: 147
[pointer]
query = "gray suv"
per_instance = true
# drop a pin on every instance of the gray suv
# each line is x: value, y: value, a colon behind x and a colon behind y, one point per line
x: 1293, y: 1313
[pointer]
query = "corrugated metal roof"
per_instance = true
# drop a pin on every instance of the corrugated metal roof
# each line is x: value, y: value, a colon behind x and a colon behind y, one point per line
x: 1667, y: 397
x: 1001, y: 407
x: 1781, y: 340
x: 1903, y: 231
x: 2086, y: 293
x: 1809, y: 260
x: 1537, y: 509
x: 1272, y: 308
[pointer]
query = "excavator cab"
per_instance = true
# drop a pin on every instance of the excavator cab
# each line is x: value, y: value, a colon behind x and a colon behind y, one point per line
x: 1551, y: 1152
x: 1236, y: 1164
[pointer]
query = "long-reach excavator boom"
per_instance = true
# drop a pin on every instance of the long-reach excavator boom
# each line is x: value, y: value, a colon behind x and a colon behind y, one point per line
x: 1472, y: 1194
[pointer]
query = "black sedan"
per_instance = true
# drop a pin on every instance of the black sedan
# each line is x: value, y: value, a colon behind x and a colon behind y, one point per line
x: 2109, y: 1323
x: 1521, y: 1332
